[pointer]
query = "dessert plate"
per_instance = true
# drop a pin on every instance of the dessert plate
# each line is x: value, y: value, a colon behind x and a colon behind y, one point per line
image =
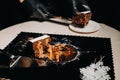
x: 90, y: 28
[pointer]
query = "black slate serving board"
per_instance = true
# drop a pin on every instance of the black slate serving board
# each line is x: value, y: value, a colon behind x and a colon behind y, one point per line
x: 98, y: 46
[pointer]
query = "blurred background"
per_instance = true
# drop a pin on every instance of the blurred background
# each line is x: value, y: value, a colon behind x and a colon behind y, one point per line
x: 103, y: 11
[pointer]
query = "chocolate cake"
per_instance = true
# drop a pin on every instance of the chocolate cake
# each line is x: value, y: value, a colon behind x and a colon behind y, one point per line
x: 81, y: 19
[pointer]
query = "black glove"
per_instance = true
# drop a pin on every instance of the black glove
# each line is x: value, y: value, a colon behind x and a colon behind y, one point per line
x: 36, y: 9
x: 44, y: 9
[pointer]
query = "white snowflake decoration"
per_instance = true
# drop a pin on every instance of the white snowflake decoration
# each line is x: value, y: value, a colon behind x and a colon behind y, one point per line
x: 96, y: 71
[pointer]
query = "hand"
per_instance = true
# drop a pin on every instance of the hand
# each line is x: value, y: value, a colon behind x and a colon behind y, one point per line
x: 21, y: 1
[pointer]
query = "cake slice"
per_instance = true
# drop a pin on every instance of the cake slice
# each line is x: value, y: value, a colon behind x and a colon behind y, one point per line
x: 81, y: 19
x: 43, y: 49
x: 39, y: 45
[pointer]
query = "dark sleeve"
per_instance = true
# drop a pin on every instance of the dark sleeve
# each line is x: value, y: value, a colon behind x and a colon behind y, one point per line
x: 11, y: 12
x: 66, y: 8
